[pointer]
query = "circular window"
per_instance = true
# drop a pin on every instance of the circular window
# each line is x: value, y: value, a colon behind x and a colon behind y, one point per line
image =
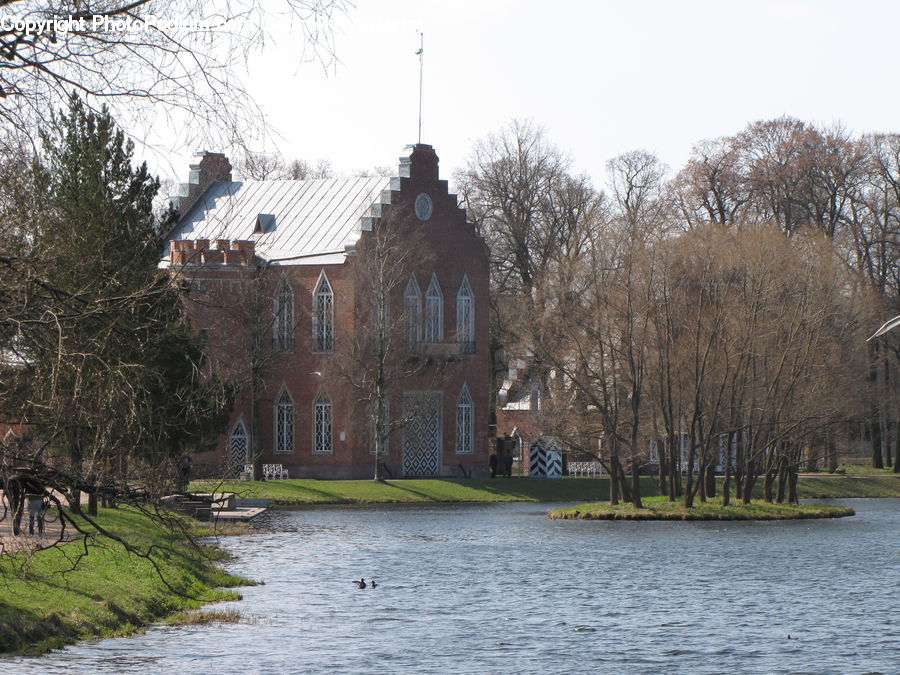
x: 424, y: 206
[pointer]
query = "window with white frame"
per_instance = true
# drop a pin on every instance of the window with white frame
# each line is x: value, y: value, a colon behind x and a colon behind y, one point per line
x: 284, y: 318
x: 284, y: 424
x: 412, y: 306
x: 465, y: 317
x: 434, y: 312
x: 322, y: 441
x: 465, y: 441
x: 323, y: 315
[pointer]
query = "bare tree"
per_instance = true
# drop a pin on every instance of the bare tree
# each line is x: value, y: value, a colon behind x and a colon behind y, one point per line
x: 151, y: 62
x: 380, y: 354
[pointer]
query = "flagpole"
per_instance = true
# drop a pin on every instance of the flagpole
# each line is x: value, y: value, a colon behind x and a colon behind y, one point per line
x: 421, y: 54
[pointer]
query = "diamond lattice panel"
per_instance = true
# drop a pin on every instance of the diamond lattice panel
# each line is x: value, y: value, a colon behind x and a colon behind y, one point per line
x: 237, y: 451
x: 422, y: 436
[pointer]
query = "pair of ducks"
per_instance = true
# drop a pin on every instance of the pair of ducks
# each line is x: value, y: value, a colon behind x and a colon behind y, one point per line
x: 362, y: 583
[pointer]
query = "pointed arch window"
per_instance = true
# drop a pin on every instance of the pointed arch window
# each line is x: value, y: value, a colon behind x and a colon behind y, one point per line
x: 238, y: 448
x: 465, y: 440
x: 284, y: 318
x: 323, y: 315
x: 465, y: 317
x: 434, y: 312
x: 412, y: 306
x: 322, y: 440
x: 284, y: 424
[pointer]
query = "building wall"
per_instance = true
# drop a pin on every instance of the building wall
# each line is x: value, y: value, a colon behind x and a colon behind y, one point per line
x: 450, y: 249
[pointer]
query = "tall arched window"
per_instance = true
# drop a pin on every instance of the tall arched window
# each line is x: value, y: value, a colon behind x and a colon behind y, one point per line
x: 465, y: 441
x: 284, y: 423
x: 322, y: 424
x: 283, y: 334
x: 465, y: 317
x: 323, y: 316
x: 434, y: 312
x: 412, y: 306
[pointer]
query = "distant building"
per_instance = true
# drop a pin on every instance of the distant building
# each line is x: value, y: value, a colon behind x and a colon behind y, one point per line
x: 280, y: 254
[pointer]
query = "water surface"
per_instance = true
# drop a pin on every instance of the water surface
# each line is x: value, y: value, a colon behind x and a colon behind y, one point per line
x: 501, y: 588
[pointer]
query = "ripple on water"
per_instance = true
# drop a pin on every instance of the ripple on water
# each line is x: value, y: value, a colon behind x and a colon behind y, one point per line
x: 500, y: 588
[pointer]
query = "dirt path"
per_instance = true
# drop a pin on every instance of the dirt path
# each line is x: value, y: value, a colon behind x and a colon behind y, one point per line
x: 9, y: 543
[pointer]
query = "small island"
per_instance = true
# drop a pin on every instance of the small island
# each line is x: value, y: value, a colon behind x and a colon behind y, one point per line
x: 660, y: 508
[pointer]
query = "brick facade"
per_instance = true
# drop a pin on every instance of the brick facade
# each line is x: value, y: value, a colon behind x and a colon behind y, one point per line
x: 232, y: 286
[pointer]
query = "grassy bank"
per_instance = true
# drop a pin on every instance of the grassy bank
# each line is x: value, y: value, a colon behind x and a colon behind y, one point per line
x: 308, y: 491
x: 45, y: 604
x: 659, y: 508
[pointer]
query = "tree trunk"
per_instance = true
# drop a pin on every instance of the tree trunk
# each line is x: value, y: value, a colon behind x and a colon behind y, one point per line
x: 689, y: 487
x: 92, y: 503
x: 711, y: 481
x: 624, y: 489
x: 662, y: 479
x: 767, y: 486
x: 832, y: 453
x: 635, y: 482
x: 782, y: 481
x: 255, y: 450
x: 875, y: 429
x: 749, y: 482
x: 613, y: 475
x: 674, y: 471
x: 726, y: 485
x: 792, y: 487
x: 897, y: 443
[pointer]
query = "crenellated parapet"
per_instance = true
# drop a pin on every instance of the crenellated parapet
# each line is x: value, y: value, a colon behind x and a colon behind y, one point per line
x: 204, y: 252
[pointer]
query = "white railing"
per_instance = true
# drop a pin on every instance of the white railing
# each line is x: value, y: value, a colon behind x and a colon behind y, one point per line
x: 585, y: 468
x: 273, y: 471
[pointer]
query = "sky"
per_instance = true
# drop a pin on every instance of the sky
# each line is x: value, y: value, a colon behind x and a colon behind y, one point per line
x: 602, y: 77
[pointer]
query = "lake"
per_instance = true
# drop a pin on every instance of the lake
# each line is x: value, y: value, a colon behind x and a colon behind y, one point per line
x: 501, y: 588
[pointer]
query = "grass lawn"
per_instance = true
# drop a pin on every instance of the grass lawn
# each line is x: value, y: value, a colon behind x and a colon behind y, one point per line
x: 308, y: 491
x: 303, y: 491
x: 46, y: 604
x: 660, y: 508
x: 864, y: 469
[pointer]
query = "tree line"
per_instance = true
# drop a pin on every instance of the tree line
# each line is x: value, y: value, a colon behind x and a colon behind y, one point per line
x: 717, y: 317
x: 99, y: 368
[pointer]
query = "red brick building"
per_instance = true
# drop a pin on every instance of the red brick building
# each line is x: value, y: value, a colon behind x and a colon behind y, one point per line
x: 273, y: 285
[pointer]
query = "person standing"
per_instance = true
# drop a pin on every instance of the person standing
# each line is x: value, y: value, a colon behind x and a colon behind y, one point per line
x: 35, y: 512
x: 507, y: 463
x: 492, y: 461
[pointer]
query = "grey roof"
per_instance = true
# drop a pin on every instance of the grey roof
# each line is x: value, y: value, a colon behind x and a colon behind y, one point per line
x: 302, y: 219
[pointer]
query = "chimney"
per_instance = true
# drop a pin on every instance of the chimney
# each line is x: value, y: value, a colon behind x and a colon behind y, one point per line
x: 207, y: 168
x: 419, y: 162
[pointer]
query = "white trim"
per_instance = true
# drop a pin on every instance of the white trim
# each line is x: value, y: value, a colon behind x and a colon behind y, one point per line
x: 434, y: 311
x: 284, y: 425
x: 465, y: 313
x: 323, y: 401
x: 412, y: 306
x: 283, y: 328
x: 465, y: 422
x: 323, y: 326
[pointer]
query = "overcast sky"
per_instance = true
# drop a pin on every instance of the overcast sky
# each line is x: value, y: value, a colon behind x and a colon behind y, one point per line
x: 602, y: 76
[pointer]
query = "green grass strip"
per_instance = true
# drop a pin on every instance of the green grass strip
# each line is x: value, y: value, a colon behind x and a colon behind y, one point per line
x: 44, y: 604
x: 309, y: 491
x: 660, y: 508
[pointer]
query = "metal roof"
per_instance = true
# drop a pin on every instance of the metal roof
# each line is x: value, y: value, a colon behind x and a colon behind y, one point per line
x: 310, y: 221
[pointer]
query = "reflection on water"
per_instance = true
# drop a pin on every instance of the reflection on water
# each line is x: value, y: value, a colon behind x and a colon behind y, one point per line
x: 495, y: 589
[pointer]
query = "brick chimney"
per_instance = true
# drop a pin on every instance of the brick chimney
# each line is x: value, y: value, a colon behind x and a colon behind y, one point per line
x: 207, y: 168
x: 419, y: 162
